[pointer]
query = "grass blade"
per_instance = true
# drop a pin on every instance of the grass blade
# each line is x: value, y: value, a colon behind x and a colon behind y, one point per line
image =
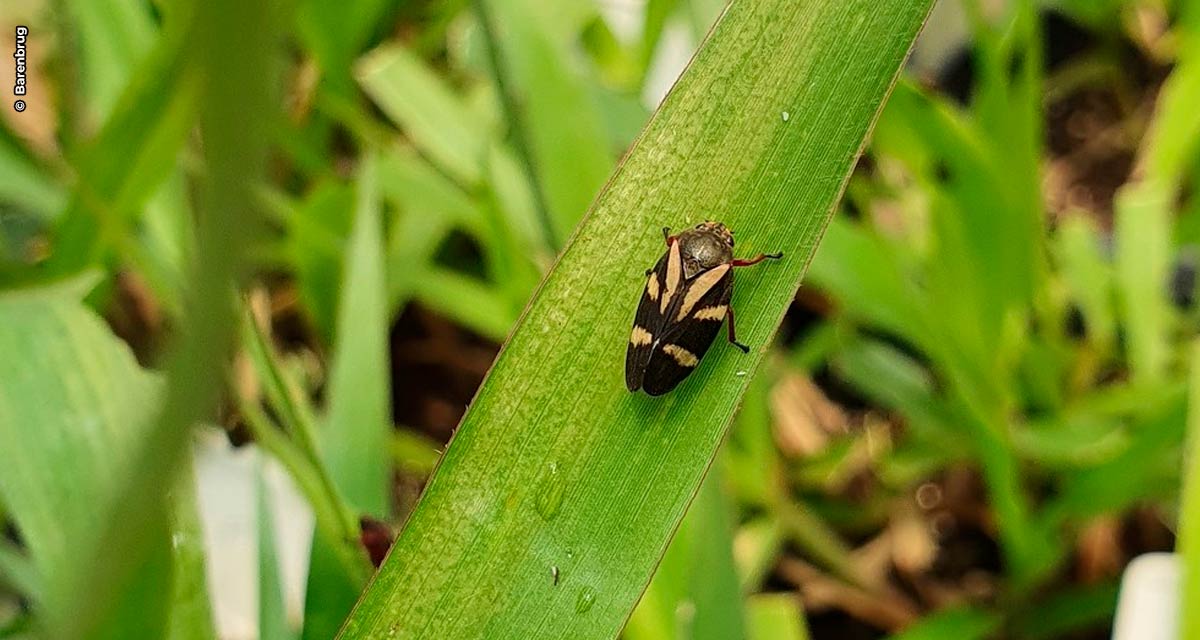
x: 64, y: 372
x: 112, y: 35
x: 1088, y: 277
x: 1143, y: 263
x: 695, y: 592
x: 190, y: 616
x: 354, y: 442
x: 1072, y: 611
x: 1144, y: 220
x: 436, y: 120
x: 272, y: 611
x: 1189, y: 509
x: 317, y: 232
x: 146, y: 129
x: 24, y: 183
x: 776, y: 616
x: 566, y: 153
x: 234, y: 47
x: 961, y: 624
x: 597, y: 486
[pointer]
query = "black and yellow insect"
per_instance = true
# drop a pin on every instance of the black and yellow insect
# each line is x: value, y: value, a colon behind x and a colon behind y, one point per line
x: 686, y: 298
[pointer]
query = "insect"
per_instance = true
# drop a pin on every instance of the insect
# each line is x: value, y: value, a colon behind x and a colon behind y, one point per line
x: 686, y: 299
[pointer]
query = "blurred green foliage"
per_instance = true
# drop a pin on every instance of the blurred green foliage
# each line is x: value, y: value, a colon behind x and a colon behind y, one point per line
x: 440, y: 153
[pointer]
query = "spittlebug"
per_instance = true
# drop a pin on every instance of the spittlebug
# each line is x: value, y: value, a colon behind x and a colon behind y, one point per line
x: 686, y: 298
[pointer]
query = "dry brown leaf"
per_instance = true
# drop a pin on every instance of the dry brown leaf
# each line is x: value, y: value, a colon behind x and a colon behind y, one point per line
x: 1098, y: 549
x: 803, y: 417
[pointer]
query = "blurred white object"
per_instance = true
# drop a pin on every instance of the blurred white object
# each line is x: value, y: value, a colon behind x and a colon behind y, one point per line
x: 225, y: 491
x: 1148, y: 606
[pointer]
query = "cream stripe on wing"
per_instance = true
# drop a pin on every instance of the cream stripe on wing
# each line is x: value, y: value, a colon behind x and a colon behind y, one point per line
x: 652, y: 286
x: 684, y: 357
x: 701, y: 286
x: 711, y: 313
x: 640, y: 337
x: 674, y: 273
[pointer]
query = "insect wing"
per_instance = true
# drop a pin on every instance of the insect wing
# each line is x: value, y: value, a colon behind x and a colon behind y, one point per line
x: 647, y: 323
x: 690, y: 328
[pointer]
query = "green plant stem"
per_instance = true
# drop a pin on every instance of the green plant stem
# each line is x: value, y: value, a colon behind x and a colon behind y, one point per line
x: 282, y: 395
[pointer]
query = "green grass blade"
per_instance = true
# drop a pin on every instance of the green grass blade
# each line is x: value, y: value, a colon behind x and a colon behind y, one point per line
x: 1072, y: 611
x: 960, y: 624
x: 695, y: 592
x: 190, y: 617
x: 355, y: 438
x: 336, y: 33
x: 1088, y: 277
x: 65, y: 373
x: 354, y: 441
x: 272, y: 612
x: 776, y: 616
x: 146, y: 129
x: 896, y: 382
x: 234, y: 47
x: 654, y: 19
x: 866, y: 277
x: 466, y: 300
x: 1144, y: 220
x: 1189, y: 509
x: 597, y: 484
x: 19, y: 575
x: 316, y: 239
x: 1146, y: 470
x: 433, y: 117
x: 1143, y: 263
x: 112, y: 36
x: 23, y: 182
x: 549, y: 110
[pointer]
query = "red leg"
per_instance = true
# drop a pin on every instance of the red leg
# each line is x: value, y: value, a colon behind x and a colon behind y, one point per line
x: 756, y: 259
x: 733, y: 334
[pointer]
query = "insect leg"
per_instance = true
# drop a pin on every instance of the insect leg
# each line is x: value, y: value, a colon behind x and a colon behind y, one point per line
x: 733, y: 334
x: 756, y: 259
x: 667, y: 237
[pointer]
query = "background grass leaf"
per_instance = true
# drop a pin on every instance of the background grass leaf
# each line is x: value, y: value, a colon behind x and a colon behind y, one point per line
x: 112, y: 37
x: 963, y: 623
x: 146, y: 127
x: 235, y: 78
x: 355, y: 440
x: 568, y: 146
x: 73, y: 406
x: 429, y: 112
x: 1189, y: 507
